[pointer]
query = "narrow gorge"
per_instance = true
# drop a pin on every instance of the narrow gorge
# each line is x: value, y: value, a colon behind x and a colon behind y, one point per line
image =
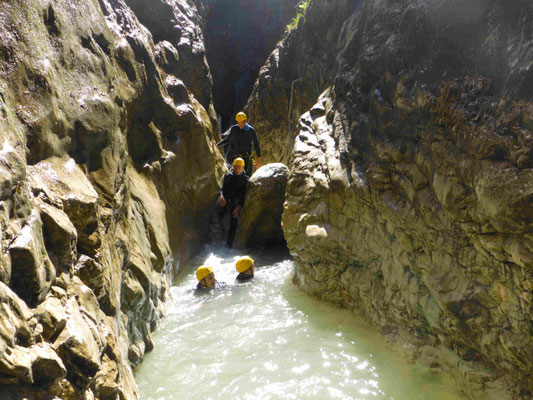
x: 406, y: 134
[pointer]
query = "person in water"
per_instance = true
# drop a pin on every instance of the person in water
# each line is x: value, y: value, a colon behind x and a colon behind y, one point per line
x: 240, y: 139
x: 246, y: 269
x: 232, y: 195
x: 206, y: 278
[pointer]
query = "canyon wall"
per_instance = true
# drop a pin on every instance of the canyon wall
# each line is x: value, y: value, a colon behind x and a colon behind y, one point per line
x: 409, y: 199
x: 99, y: 121
x: 239, y: 35
x: 302, y: 66
x: 410, y: 195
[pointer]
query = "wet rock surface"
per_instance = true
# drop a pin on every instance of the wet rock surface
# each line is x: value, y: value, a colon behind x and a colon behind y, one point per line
x: 260, y: 221
x: 99, y: 119
x: 409, y: 199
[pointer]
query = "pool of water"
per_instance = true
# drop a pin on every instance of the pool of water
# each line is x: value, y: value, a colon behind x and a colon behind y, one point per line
x: 266, y: 339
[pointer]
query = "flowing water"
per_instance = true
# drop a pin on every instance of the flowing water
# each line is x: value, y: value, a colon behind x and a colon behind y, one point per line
x: 267, y: 340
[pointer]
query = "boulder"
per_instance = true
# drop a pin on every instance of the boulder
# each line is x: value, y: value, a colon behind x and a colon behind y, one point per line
x: 62, y: 180
x: 46, y: 365
x: 60, y: 236
x: 16, y: 331
x: 260, y: 221
x: 77, y: 346
x: 32, y: 271
x: 52, y: 316
x: 96, y: 277
x: 15, y: 365
x: 106, y: 384
x: 410, y: 196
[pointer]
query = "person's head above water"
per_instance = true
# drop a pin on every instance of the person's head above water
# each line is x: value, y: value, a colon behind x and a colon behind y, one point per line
x: 206, y: 277
x: 245, y: 265
x: 241, y: 119
x: 238, y: 166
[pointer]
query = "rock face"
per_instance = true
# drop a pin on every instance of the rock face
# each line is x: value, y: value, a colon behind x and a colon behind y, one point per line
x: 305, y: 61
x: 409, y: 199
x: 107, y: 162
x: 260, y: 222
x: 239, y: 36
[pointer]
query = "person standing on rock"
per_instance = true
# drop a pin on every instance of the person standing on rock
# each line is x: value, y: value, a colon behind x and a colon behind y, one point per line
x: 246, y: 269
x: 240, y: 139
x: 232, y: 195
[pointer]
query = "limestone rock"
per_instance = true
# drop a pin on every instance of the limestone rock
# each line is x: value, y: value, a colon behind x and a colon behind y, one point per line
x: 408, y: 203
x: 61, y: 179
x: 185, y: 38
x: 15, y: 365
x: 96, y: 277
x: 60, y: 236
x: 32, y: 272
x: 5, y: 269
x: 52, y: 316
x: 15, y: 318
x: 100, y: 123
x: 303, y: 64
x: 107, y: 382
x: 46, y: 365
x: 16, y: 335
x: 260, y: 221
x: 77, y: 346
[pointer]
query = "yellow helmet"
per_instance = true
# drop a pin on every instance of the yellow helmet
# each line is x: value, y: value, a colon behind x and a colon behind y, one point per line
x: 238, y: 161
x: 240, y: 117
x: 244, y: 263
x: 203, y: 271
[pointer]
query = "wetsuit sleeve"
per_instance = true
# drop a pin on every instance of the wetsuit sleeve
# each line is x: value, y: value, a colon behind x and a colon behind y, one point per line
x: 256, y: 143
x: 226, y: 140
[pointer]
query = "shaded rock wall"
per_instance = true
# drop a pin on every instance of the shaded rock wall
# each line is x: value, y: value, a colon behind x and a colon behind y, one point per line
x: 107, y: 163
x: 410, y: 194
x: 308, y: 57
x: 177, y: 29
x: 239, y: 36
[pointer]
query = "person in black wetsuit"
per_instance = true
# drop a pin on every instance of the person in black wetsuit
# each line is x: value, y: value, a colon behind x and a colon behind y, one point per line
x: 206, y: 278
x: 240, y: 139
x: 246, y: 269
x: 232, y: 195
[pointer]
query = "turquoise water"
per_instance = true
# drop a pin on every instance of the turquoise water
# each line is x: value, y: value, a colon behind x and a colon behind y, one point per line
x: 267, y: 340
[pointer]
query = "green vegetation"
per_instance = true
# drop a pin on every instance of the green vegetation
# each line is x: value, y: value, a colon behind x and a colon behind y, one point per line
x: 301, y: 12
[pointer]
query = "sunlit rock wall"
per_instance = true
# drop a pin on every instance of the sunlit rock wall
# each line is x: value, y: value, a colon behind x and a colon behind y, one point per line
x: 107, y: 162
x: 410, y: 196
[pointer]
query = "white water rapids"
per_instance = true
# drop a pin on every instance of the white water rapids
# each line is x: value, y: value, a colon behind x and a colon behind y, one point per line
x: 266, y: 339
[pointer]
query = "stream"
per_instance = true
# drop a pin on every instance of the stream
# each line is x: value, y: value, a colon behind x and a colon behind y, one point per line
x: 266, y: 339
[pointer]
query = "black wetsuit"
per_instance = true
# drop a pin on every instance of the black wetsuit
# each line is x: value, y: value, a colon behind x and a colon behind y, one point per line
x: 242, y: 277
x: 218, y: 285
x: 240, y: 145
x: 234, y: 191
